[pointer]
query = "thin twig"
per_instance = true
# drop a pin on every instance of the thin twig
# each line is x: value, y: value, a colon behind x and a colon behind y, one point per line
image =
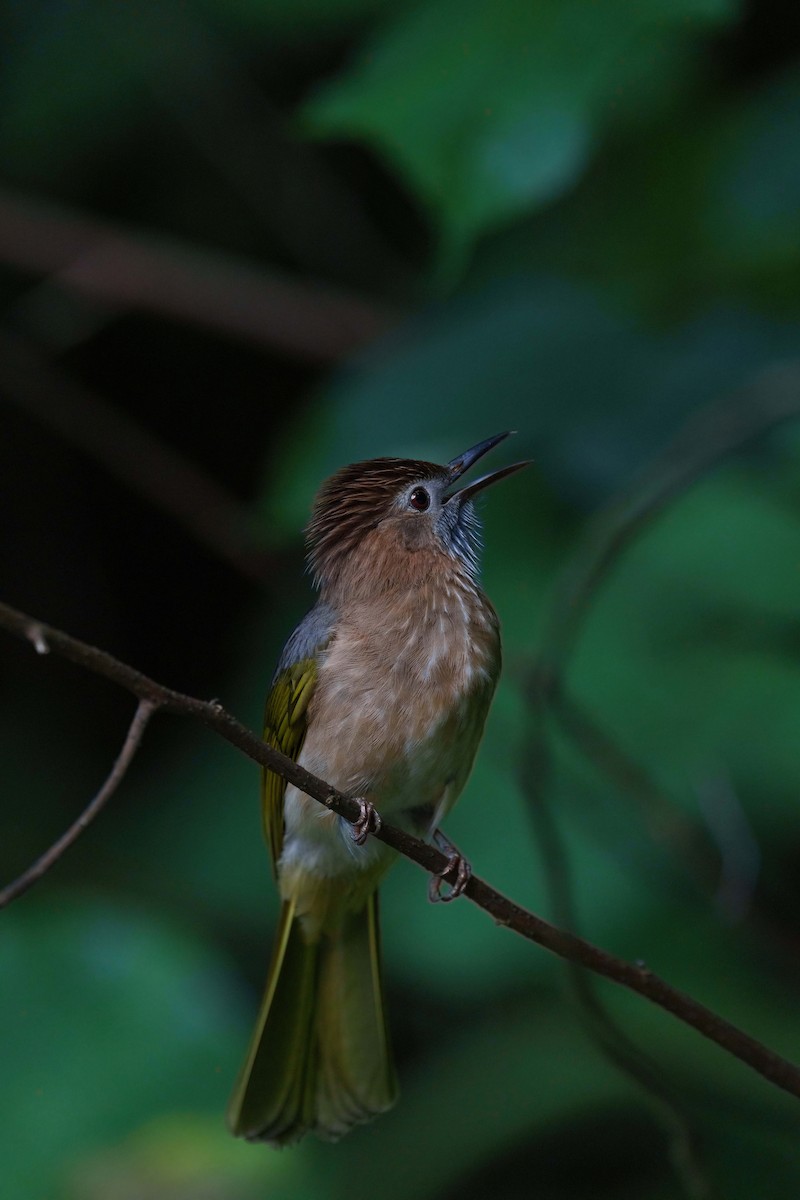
x: 133, y: 738
x: 637, y: 978
x: 128, y: 270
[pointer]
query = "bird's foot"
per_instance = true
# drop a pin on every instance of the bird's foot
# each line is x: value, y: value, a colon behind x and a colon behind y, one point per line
x: 456, y: 874
x: 368, y: 822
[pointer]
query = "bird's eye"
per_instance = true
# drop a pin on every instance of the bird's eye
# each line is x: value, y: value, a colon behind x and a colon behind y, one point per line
x: 419, y: 499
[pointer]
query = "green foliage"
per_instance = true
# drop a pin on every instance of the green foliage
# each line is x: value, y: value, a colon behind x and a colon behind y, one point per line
x: 116, y: 1017
x: 491, y: 109
x: 507, y: 357
x: 754, y: 202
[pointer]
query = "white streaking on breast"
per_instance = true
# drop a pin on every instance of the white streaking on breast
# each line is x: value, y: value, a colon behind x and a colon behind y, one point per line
x: 397, y: 715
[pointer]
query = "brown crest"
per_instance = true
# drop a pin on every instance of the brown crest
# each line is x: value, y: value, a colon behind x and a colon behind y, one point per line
x: 354, y: 501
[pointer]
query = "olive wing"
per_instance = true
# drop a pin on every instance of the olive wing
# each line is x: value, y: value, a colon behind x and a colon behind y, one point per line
x: 285, y: 717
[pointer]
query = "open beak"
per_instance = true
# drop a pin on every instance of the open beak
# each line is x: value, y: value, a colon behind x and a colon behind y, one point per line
x: 459, y: 466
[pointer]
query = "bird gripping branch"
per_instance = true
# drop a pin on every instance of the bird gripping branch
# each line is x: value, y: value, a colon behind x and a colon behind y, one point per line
x: 383, y: 690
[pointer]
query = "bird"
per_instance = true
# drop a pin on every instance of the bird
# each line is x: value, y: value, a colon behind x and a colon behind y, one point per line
x: 382, y: 690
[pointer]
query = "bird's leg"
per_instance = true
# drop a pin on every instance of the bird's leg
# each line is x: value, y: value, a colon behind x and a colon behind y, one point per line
x: 457, y: 873
x: 368, y: 821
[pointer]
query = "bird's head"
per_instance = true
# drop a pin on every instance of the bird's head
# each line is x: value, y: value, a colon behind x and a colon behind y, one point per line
x: 377, y: 511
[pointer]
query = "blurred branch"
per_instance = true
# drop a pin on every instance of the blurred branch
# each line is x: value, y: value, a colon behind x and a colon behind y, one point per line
x: 133, y: 739
x: 739, y: 851
x: 711, y: 436
x: 567, y: 945
x: 612, y: 1041
x: 685, y: 1152
x: 128, y: 270
x: 132, y: 454
x: 666, y: 823
x: 714, y: 434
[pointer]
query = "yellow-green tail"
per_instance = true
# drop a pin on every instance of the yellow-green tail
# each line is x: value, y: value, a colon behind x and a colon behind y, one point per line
x: 320, y: 1057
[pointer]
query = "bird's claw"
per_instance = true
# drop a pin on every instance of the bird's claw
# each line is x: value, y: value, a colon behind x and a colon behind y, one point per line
x: 368, y: 821
x: 456, y: 874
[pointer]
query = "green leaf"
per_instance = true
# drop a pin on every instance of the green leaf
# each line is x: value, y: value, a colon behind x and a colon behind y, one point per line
x: 752, y: 210
x: 109, y: 1016
x: 492, y: 107
x: 592, y: 394
x: 706, y: 605
x: 702, y: 202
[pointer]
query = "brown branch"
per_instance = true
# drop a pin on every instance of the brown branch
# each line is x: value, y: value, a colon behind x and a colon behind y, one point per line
x: 637, y: 978
x: 126, y: 270
x: 133, y: 739
x: 133, y: 455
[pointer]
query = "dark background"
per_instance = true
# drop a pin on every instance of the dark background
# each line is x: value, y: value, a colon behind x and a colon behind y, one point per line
x: 243, y: 242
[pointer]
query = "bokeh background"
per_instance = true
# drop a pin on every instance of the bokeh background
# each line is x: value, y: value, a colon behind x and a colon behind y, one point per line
x: 243, y: 242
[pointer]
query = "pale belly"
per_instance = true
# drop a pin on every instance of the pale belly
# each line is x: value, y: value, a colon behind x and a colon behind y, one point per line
x: 396, y: 718
x: 415, y: 784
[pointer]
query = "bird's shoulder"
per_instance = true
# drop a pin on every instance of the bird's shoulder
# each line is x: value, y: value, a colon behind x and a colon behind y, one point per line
x: 286, y: 709
x: 309, y: 638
